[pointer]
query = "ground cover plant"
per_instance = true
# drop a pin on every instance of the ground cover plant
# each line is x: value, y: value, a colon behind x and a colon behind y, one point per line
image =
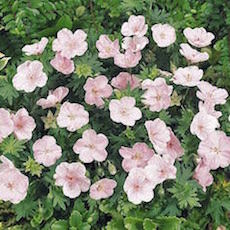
x: 114, y: 115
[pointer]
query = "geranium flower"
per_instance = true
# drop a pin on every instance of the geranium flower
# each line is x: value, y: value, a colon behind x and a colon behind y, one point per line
x: 209, y: 109
x: 124, y: 111
x: 135, y: 43
x: 73, y: 116
x: 91, y: 146
x: 71, y: 176
x: 46, y: 151
x: 102, y: 189
x: 70, y: 44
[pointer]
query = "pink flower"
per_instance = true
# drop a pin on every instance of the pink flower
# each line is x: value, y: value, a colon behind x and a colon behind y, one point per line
x: 13, y: 184
x: 137, y: 156
x: 157, y: 95
x: 209, y: 109
x: 163, y: 34
x: 128, y: 59
x: 203, y: 124
x: 71, y: 176
x: 46, y: 151
x: 29, y: 76
x: 202, y: 175
x: 123, y: 79
x: 106, y: 47
x: 36, y: 48
x: 137, y: 187
x: 160, y: 169
x: 215, y: 150
x: 97, y: 89
x: 54, y: 97
x: 70, y: 44
x: 6, y: 124
x: 198, y: 37
x: 135, y: 26
x: 24, y: 124
x: 135, y: 43
x: 102, y: 189
x: 91, y: 146
x: 158, y: 133
x: 189, y: 76
x: 73, y: 116
x: 124, y: 111
x: 193, y: 55
x: 211, y: 94
x: 62, y: 64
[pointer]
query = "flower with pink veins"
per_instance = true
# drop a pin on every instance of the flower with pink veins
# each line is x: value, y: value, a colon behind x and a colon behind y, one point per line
x: 158, y: 133
x: 163, y: 34
x: 135, y: 43
x: 215, y: 151
x: 106, y: 47
x: 124, y: 111
x: 36, y: 48
x: 123, y: 79
x: 13, y: 184
x: 6, y: 124
x: 137, y: 187
x: 102, y: 189
x: 70, y: 44
x: 128, y: 59
x: 198, y: 37
x: 137, y: 156
x: 71, y: 176
x: 135, y: 26
x: 29, y: 76
x: 189, y: 76
x: 24, y: 124
x: 193, y: 55
x: 62, y: 64
x: 96, y: 89
x: 209, y: 109
x: 54, y: 97
x: 91, y: 146
x: 46, y: 151
x: 73, y: 116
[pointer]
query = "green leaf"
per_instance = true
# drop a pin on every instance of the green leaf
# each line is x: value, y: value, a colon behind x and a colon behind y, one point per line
x: 60, y: 225
x: 149, y: 224
x: 75, y: 219
x: 64, y: 22
x: 3, y: 62
x: 133, y: 223
x: 168, y: 223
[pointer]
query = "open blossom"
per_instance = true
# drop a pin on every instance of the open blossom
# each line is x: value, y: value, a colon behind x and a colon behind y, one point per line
x: 137, y: 187
x: 157, y: 95
x: 6, y: 124
x: 54, y: 97
x: 62, y: 64
x: 158, y: 133
x: 137, y: 156
x: 189, y: 76
x: 73, y: 116
x: 102, y: 189
x: 124, y: 111
x: 198, y: 37
x: 123, y: 79
x: 209, y: 109
x: 214, y: 149
x: 203, y: 124
x: 135, y: 43
x: 36, y: 48
x: 106, y: 47
x: 135, y: 26
x: 91, y: 146
x: 71, y: 176
x: 211, y: 94
x: 160, y: 169
x: 202, y: 175
x: 163, y: 34
x: 97, y: 89
x: 127, y: 60
x: 24, y: 124
x: 46, y: 151
x: 13, y: 184
x: 29, y: 76
x: 70, y: 44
